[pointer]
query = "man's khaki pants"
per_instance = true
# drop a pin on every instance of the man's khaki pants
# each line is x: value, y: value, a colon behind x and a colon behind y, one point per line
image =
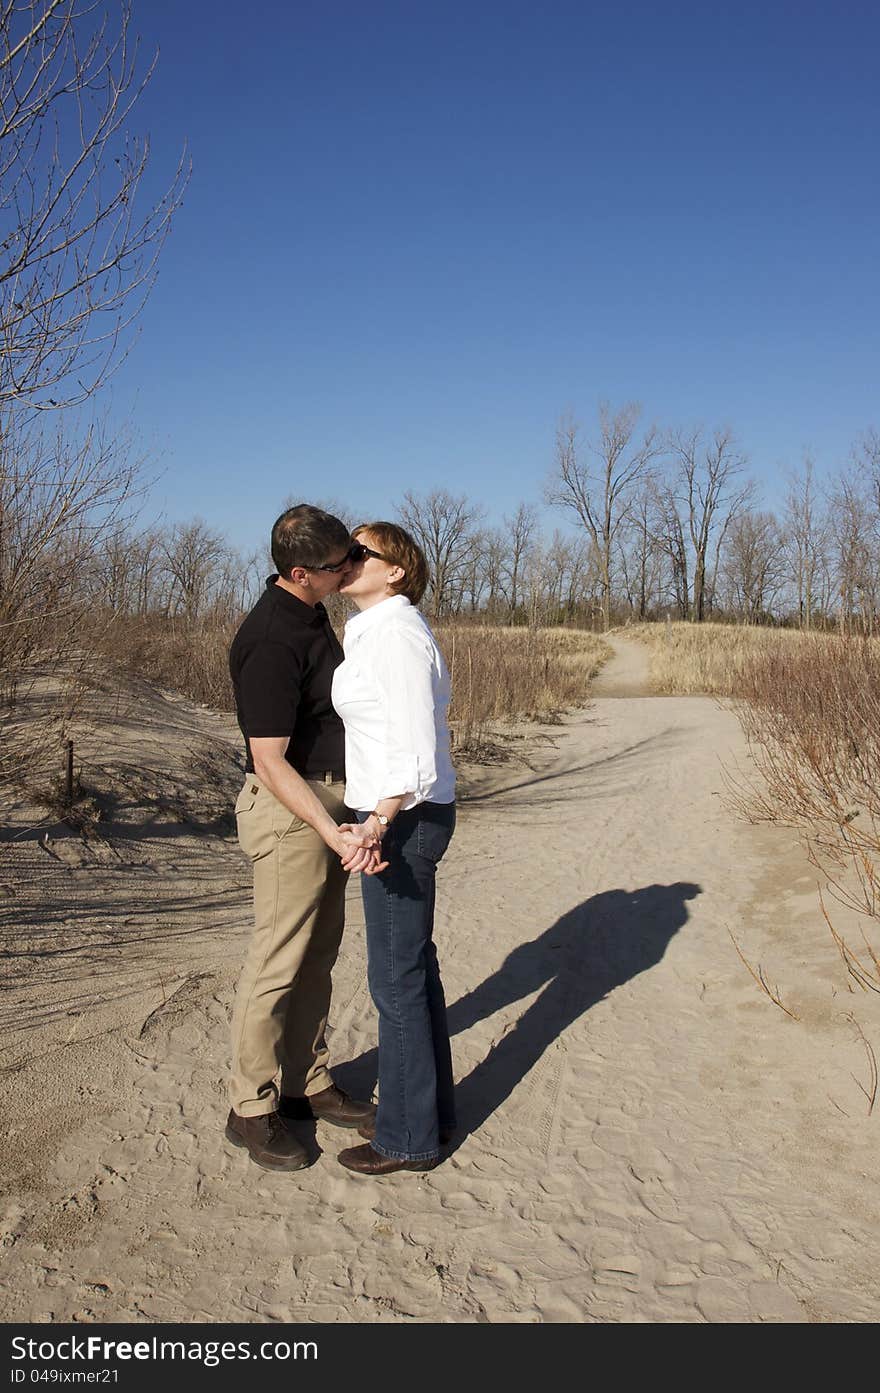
x: 283, y: 995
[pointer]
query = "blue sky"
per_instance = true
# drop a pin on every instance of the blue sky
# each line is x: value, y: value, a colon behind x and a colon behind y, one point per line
x: 417, y: 234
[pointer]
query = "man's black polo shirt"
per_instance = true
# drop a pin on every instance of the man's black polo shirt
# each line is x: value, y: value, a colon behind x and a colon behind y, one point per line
x: 282, y: 662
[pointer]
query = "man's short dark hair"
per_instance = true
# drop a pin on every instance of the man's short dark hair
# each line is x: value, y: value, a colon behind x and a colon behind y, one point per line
x: 307, y: 536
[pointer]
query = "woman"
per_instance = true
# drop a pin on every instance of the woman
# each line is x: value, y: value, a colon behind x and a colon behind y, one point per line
x: 392, y: 692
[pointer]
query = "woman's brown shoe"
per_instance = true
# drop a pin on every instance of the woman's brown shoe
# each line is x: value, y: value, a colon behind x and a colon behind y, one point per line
x: 363, y: 1160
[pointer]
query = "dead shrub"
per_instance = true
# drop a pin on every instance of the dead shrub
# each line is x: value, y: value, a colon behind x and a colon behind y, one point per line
x: 497, y: 674
x: 187, y: 656
x: 811, y: 714
x: 500, y: 674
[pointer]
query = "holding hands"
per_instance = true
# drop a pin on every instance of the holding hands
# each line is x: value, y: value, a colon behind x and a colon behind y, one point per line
x: 360, y: 848
x: 362, y: 841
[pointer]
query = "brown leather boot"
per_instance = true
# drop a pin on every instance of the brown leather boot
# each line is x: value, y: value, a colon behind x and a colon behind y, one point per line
x: 330, y: 1105
x: 363, y: 1160
x: 268, y: 1141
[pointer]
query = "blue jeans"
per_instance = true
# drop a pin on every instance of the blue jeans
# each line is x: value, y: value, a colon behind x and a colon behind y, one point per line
x: 416, y: 1098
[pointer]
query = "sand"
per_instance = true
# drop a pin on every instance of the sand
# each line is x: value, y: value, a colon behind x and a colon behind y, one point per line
x: 645, y: 1135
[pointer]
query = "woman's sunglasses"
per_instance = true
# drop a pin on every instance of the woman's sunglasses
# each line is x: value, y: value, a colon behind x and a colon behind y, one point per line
x: 356, y: 552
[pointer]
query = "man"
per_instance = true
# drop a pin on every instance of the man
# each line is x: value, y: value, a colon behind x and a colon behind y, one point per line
x: 288, y: 813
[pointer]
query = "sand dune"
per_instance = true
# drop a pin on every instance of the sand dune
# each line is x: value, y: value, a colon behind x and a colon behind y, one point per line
x: 645, y: 1137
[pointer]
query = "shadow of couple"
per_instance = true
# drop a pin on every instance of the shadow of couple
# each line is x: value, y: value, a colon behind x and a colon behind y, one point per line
x: 595, y: 947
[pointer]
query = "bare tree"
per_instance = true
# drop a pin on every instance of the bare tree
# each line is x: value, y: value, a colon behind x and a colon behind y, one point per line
x: 866, y: 452
x: 563, y: 583
x: 78, y: 251
x: 641, y: 554
x: 489, y: 555
x: 553, y: 570
x: 855, y: 550
x: 710, y: 491
x: 518, y: 531
x: 57, y: 499
x: 600, y: 496
x: 194, y: 556
x: 582, y: 581
x: 866, y: 462
x: 234, y: 584
x: 754, y: 565
x: 806, y: 540
x: 443, y: 527
x: 671, y: 538
x: 115, y: 571
x: 148, y: 549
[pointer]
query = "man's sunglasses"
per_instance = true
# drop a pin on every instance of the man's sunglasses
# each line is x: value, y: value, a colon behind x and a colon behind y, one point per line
x: 356, y: 552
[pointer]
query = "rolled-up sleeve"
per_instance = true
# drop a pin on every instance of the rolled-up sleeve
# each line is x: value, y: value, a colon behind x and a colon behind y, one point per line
x: 406, y: 675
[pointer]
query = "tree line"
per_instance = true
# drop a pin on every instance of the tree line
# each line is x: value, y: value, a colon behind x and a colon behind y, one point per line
x: 665, y: 525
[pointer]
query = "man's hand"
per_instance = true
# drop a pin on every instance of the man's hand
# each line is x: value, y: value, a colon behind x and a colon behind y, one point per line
x: 361, y: 849
x: 290, y: 788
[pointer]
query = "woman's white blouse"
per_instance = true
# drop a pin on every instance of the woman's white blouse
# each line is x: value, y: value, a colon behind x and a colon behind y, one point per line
x: 392, y: 692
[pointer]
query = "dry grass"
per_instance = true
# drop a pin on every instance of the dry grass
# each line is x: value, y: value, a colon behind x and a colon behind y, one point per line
x: 503, y: 673
x: 187, y: 657
x: 497, y: 673
x: 811, y: 712
x: 694, y: 659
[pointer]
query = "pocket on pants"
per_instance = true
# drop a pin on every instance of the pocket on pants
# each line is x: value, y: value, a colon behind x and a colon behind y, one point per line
x: 284, y: 822
x: 248, y: 820
x: 246, y: 799
x: 435, y: 829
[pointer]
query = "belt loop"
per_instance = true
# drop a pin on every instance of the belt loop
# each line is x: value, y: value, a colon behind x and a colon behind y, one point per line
x: 328, y: 776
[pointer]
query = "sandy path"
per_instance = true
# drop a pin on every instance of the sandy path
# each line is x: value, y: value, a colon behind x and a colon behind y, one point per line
x: 626, y: 673
x: 644, y: 1135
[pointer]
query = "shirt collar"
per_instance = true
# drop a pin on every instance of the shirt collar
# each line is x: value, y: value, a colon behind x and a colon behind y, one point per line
x: 308, y: 614
x: 376, y: 614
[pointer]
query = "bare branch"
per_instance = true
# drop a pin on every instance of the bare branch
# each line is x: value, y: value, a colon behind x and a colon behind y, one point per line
x: 443, y: 526
x: 79, y: 247
x: 772, y: 992
x: 600, y: 496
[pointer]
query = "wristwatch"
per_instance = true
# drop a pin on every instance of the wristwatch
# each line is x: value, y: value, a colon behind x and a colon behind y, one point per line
x: 383, y: 821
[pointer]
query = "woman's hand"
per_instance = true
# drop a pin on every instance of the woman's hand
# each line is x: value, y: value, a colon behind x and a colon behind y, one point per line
x: 359, y: 849
x: 374, y: 828
x: 377, y: 865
